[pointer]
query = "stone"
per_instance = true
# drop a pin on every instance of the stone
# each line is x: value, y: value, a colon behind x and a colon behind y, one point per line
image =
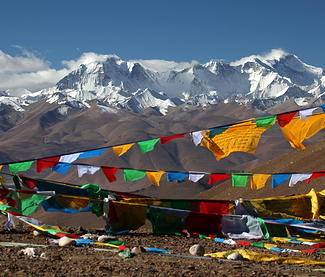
x: 197, y: 250
x: 28, y: 251
x: 235, y: 257
x: 90, y: 236
x: 36, y: 233
x: 105, y: 238
x: 136, y: 250
x: 65, y: 241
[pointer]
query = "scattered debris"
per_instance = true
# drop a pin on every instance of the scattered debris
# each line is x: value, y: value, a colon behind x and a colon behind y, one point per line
x: 29, y: 251
x: 36, y: 233
x: 126, y: 253
x: 90, y: 236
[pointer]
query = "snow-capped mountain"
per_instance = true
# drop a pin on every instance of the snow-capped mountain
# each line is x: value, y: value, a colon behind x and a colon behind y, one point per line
x: 139, y: 84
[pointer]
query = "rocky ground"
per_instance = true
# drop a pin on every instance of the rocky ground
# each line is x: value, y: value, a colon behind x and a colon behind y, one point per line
x: 89, y: 261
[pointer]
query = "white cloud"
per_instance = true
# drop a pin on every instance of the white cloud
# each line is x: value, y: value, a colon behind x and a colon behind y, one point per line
x: 274, y: 54
x: 27, y: 71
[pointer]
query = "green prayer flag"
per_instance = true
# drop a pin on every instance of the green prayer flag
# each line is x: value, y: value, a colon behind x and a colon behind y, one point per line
x: 17, y: 167
x: 258, y: 244
x: 133, y: 175
x: 148, y: 145
x: 30, y: 202
x: 239, y: 179
x: 266, y: 122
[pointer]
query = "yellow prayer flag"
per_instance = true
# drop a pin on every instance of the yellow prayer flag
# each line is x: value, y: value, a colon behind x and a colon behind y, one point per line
x: 2, y: 180
x: 1, y: 166
x: 154, y: 177
x: 297, y: 130
x: 258, y: 181
x: 242, y: 137
x: 121, y: 149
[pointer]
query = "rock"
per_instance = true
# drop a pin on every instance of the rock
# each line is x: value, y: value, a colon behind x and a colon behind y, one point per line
x: 197, y: 250
x: 136, y: 250
x: 90, y: 236
x: 65, y: 241
x: 28, y: 251
x: 235, y: 256
x: 36, y: 233
x: 105, y: 238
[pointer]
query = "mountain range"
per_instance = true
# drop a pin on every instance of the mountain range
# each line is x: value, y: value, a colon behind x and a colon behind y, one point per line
x: 112, y: 83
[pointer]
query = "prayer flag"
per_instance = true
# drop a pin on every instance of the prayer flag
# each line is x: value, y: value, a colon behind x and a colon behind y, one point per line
x: 164, y: 140
x: 18, y: 167
x: 217, y: 178
x: 110, y: 173
x: 295, y: 178
x: 266, y: 122
x: 65, y: 163
x: 285, y: 118
x: 315, y: 175
x: 47, y: 163
x: 148, y: 145
x: 155, y: 176
x: 239, y: 179
x: 258, y: 181
x: 305, y: 113
x: 92, y: 153
x: 30, y: 202
x: 298, y: 130
x: 242, y: 137
x: 217, y: 131
x: 195, y: 176
x: 121, y: 149
x: 133, y: 175
x: 176, y: 176
x: 279, y: 179
x: 86, y: 169
x: 197, y: 137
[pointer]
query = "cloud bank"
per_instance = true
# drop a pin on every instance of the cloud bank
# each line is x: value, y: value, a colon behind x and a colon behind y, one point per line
x: 27, y: 71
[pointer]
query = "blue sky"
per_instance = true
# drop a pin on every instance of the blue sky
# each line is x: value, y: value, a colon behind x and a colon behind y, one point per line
x: 53, y: 31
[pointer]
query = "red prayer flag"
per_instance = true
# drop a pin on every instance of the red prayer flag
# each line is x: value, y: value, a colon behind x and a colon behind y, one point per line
x: 110, y: 173
x: 285, y: 118
x: 27, y: 182
x: 164, y: 140
x: 245, y: 243
x: 315, y: 175
x: 47, y: 163
x: 217, y: 178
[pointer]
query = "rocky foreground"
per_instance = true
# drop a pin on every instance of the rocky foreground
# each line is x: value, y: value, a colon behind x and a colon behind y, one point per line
x: 54, y: 260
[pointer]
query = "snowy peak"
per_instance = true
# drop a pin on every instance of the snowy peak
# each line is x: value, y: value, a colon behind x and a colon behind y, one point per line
x: 139, y: 84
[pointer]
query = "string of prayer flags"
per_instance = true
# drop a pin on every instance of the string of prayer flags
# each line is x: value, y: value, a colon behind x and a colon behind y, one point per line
x: 18, y: 167
x: 240, y: 179
x: 258, y: 181
x: 133, y: 175
x: 298, y: 130
x: 315, y: 175
x: 47, y: 163
x: 195, y: 176
x: 285, y: 118
x: 122, y: 149
x: 155, y: 176
x: 295, y: 178
x: 176, y: 176
x: 110, y: 173
x: 86, y: 169
x: 147, y: 145
x: 164, y: 140
x: 217, y: 178
x: 279, y: 179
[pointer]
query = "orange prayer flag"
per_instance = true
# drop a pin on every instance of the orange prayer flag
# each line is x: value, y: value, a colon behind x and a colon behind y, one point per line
x: 122, y: 149
x: 155, y: 176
